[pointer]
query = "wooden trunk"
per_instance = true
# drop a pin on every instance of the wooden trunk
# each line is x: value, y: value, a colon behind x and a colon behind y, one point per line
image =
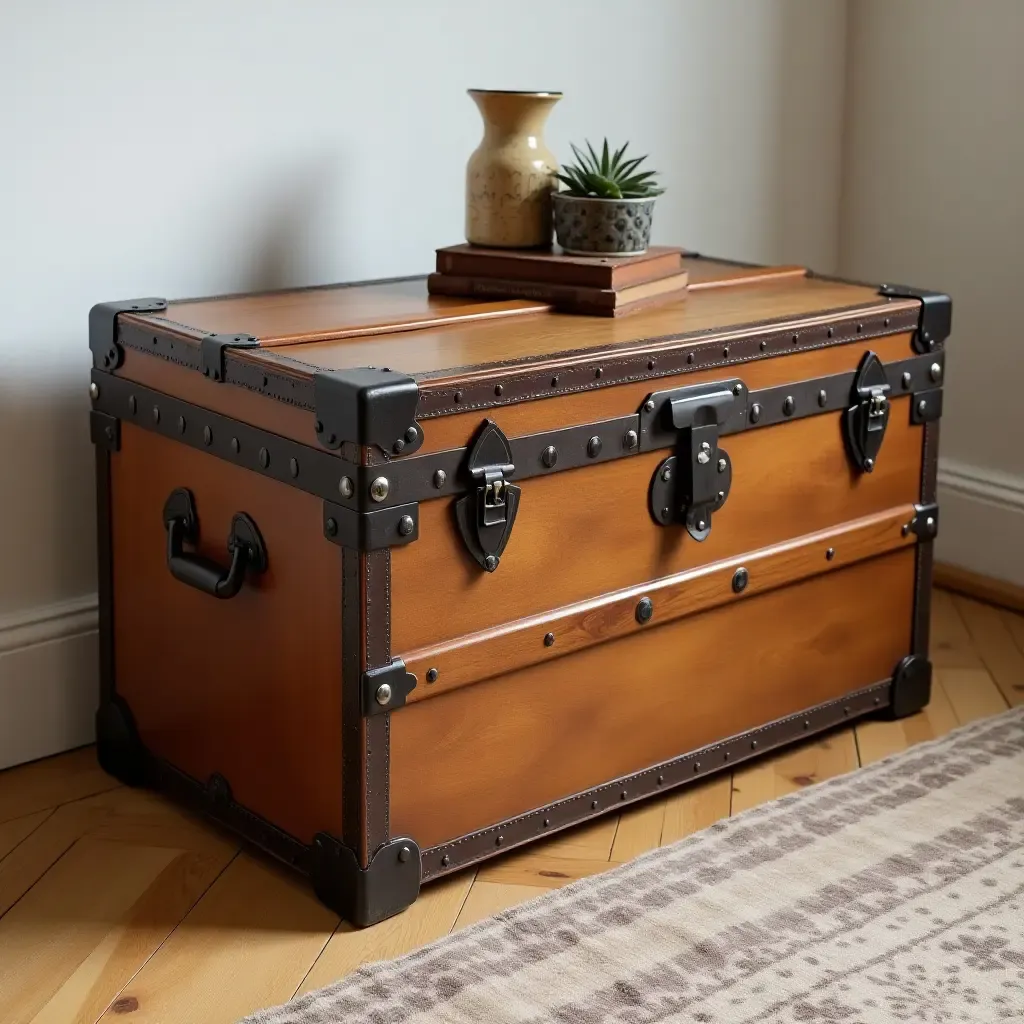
x: 391, y: 583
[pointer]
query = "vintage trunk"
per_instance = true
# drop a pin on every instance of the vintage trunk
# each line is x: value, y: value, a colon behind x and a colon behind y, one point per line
x: 386, y: 622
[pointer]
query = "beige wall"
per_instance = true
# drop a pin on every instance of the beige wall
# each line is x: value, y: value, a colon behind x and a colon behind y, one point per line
x: 207, y: 146
x: 933, y: 195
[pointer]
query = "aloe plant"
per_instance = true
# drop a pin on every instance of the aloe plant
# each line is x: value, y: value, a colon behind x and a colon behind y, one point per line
x: 610, y: 176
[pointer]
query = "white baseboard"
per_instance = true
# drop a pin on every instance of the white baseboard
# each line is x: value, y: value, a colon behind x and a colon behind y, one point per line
x: 48, y: 679
x: 981, y: 526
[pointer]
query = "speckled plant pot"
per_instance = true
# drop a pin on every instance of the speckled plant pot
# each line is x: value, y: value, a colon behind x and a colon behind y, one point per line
x: 602, y: 227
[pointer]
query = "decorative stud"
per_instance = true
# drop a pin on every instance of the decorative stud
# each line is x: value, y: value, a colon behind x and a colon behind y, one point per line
x: 293, y: 467
x: 331, y: 527
x: 549, y: 456
x: 764, y: 344
x: 702, y: 525
x: 133, y: 404
x: 789, y: 406
x: 445, y: 861
x: 905, y: 380
x: 630, y: 440
x: 264, y: 458
x: 549, y: 639
x: 593, y: 805
x: 207, y: 436
x: 406, y: 526
x: 935, y: 372
x: 755, y: 412
x: 94, y: 391
x: 922, y: 407
x: 644, y: 610
x: 822, y: 398
x: 431, y: 675
x: 740, y: 579
x: 737, y: 389
x: 547, y: 821
x: 830, y: 554
x: 404, y: 854
x: 666, y: 474
x: 499, y: 840
x: 649, y: 405
x: 383, y: 694
x: 181, y: 424
x: 345, y: 487
x: 236, y: 445
x: 156, y: 414
x: 379, y: 488
x: 440, y: 478
x: 594, y: 447
x: 722, y: 466
x: 498, y: 389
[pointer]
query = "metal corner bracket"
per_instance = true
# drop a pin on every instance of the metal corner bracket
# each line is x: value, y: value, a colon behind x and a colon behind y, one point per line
x: 385, y: 688
x: 104, y: 431
x: 212, y: 348
x: 367, y: 406
x: 364, y: 896
x: 936, y: 314
x: 925, y: 524
x: 106, y: 353
x: 911, y: 687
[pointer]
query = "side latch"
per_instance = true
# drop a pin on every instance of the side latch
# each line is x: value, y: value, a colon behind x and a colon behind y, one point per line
x: 488, y: 512
x: 695, y: 482
x: 386, y: 688
x: 868, y: 415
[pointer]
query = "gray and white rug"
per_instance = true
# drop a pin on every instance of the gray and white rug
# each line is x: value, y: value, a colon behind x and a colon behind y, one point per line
x: 895, y: 893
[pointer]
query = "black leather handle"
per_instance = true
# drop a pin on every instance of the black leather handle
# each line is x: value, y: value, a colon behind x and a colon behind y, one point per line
x: 245, y: 546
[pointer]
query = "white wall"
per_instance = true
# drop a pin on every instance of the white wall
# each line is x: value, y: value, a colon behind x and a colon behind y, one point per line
x: 209, y: 145
x: 933, y: 195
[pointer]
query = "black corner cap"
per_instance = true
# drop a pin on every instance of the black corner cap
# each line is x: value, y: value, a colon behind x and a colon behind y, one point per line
x: 386, y: 688
x: 367, y: 406
x: 365, y: 896
x: 936, y: 314
x: 106, y: 353
x: 211, y: 352
x: 911, y: 687
x: 105, y: 431
x: 118, y: 747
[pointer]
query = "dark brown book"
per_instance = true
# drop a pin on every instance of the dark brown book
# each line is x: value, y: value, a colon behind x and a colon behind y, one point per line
x: 568, y: 298
x: 557, y: 267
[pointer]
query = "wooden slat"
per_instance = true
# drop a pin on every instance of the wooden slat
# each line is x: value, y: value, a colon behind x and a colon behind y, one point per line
x: 877, y: 739
x: 639, y: 830
x: 592, y: 841
x: 791, y: 770
x: 537, y: 867
x: 432, y: 915
x: 489, y: 898
x: 997, y: 648
x: 972, y: 693
x: 1015, y: 624
x: 14, y: 831
x: 697, y: 807
x: 51, y: 782
x: 951, y: 644
x: 247, y: 944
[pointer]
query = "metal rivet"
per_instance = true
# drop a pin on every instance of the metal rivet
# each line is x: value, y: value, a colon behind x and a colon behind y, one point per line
x: 318, y: 427
x: 622, y: 795
x: 807, y: 724
x: 705, y: 446
x: 404, y: 854
x: 207, y: 436
x: 650, y: 364
x: 547, y: 821
x: 831, y: 332
x: 94, y: 390
x: 181, y: 424
x: 331, y: 527
x: 156, y: 414
x: 885, y: 322
x: 666, y: 474
x: 411, y: 434
x: 877, y: 701
x: 755, y: 413
x: 905, y: 529
x: 696, y: 766
x: 846, y: 711
x: 722, y: 465
x: 594, y: 447
x: 649, y: 405
x: 346, y: 487
x: 764, y: 344
x: 703, y: 458
x: 554, y: 382
x: 379, y: 488
x: 661, y: 780
x: 929, y: 524
x: 740, y: 579
x: 664, y: 513
x: 721, y: 495
x: 593, y: 805
x: 905, y: 380
x: 549, y: 639
x: 701, y: 525
x: 689, y: 357
x: 498, y: 389
x: 264, y: 458
x: 398, y: 447
x: 383, y: 694
x: 830, y: 554
x: 491, y: 563
x: 549, y: 456
x: 753, y: 744
x: 644, y: 610
x: 406, y: 526
x: 869, y: 464
x: 431, y: 675
x: 796, y: 338
x: 737, y: 389
x: 133, y: 405
x: 860, y: 327
x: 630, y: 440
x: 499, y: 840
x: 922, y: 407
x: 236, y: 445
x: 457, y: 396
x: 788, y: 406
x: 597, y: 373
x: 725, y: 352
x: 823, y: 398
x: 108, y: 432
x: 445, y: 861
x: 440, y: 476
x: 726, y: 756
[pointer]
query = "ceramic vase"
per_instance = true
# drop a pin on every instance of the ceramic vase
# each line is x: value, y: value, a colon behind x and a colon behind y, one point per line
x: 510, y: 176
x: 587, y: 226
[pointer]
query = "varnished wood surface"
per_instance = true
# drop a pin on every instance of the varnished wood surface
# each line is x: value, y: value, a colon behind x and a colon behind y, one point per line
x: 515, y: 645
x: 787, y: 480
x: 438, y: 352
x: 251, y: 686
x: 98, y: 927
x: 521, y: 740
x: 624, y: 399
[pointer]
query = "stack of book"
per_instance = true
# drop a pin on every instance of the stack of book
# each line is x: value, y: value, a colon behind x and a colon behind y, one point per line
x: 593, y: 285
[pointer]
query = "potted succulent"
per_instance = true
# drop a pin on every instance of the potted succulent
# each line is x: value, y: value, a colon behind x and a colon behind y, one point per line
x: 606, y: 204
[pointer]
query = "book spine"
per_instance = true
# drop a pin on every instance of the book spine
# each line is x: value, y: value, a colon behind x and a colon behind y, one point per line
x: 580, y: 299
x: 496, y: 268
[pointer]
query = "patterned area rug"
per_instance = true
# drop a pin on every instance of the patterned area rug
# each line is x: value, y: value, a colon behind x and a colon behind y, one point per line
x: 895, y: 893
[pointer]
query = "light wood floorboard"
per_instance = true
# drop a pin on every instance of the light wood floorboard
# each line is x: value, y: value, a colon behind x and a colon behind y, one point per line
x: 116, y: 905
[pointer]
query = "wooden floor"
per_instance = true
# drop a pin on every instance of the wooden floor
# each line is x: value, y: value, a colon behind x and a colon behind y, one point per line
x: 113, y: 903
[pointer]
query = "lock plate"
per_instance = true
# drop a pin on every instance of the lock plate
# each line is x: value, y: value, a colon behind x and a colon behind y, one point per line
x: 867, y: 417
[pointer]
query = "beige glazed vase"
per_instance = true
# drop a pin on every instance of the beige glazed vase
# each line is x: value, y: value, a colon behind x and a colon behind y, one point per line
x: 510, y: 176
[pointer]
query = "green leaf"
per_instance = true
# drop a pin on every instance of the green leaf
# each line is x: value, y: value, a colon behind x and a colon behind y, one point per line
x: 596, y: 164
x: 616, y: 160
x: 605, y: 163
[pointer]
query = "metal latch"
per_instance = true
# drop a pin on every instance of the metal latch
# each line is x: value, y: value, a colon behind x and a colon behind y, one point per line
x: 868, y: 415
x: 486, y: 515
x: 695, y: 482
